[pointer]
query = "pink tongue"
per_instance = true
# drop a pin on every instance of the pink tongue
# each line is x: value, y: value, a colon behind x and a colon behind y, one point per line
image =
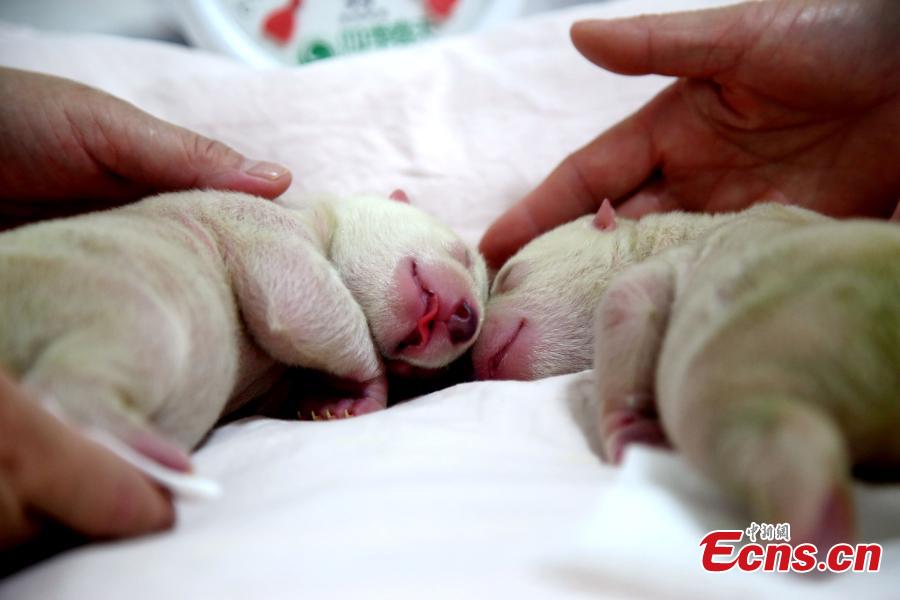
x: 431, y: 311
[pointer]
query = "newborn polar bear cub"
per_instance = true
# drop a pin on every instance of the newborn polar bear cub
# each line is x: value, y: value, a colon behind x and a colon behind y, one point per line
x: 543, y: 299
x: 764, y: 345
x: 167, y: 313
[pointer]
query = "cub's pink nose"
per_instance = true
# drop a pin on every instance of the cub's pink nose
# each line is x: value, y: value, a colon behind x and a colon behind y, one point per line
x: 462, y: 323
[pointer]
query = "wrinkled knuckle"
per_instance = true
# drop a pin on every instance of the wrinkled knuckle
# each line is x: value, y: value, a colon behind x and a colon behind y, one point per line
x: 581, y: 181
x: 205, y: 151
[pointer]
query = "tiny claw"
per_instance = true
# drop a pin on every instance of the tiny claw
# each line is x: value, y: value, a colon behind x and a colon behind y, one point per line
x: 347, y: 414
x: 315, y: 417
x: 328, y: 414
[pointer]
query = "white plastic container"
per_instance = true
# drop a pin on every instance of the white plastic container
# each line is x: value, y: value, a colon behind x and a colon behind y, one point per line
x: 272, y: 32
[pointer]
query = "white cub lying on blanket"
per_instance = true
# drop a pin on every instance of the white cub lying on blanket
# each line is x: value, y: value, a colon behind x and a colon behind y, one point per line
x: 184, y: 306
x: 765, y: 346
x: 544, y: 296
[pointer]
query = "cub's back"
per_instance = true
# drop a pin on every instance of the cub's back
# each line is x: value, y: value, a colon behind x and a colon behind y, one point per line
x: 812, y: 313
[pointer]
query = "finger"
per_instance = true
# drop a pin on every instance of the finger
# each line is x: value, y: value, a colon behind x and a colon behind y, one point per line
x: 96, y: 493
x: 162, y: 156
x: 63, y: 476
x: 15, y: 524
x: 652, y: 198
x: 114, y: 152
x: 688, y: 44
x: 611, y: 166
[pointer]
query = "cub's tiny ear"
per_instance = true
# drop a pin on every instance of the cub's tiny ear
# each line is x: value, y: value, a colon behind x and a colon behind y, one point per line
x: 399, y: 195
x: 605, y: 219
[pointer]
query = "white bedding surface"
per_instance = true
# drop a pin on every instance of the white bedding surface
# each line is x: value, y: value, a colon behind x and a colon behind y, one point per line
x: 482, y: 490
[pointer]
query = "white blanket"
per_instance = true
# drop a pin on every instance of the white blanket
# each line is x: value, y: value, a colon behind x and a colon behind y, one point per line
x: 482, y: 490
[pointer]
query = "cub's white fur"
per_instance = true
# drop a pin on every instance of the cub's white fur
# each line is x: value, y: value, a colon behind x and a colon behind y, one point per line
x: 544, y: 297
x: 167, y: 310
x: 551, y: 287
x: 767, y: 352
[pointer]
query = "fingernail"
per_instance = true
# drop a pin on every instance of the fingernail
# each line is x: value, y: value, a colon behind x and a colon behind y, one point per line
x: 265, y: 170
x: 588, y: 24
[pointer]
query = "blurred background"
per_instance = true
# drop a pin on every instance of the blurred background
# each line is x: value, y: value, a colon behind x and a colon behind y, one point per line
x: 273, y: 32
x: 153, y: 19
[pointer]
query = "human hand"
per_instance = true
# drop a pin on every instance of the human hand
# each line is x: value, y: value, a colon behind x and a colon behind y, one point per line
x: 49, y: 472
x: 67, y: 148
x: 787, y: 100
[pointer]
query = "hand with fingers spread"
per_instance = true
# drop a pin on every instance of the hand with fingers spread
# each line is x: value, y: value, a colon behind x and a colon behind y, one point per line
x: 795, y: 101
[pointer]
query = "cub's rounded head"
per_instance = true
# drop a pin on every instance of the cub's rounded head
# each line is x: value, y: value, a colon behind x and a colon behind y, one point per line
x: 422, y: 289
x: 538, y: 316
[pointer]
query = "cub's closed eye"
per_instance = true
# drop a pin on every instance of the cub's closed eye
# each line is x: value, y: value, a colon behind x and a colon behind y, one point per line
x: 504, y: 282
x: 462, y: 254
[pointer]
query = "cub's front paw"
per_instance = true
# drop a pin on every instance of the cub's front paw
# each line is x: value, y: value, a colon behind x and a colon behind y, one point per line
x: 342, y: 409
x: 340, y: 399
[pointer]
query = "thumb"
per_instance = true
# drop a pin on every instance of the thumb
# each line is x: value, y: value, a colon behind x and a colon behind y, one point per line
x: 162, y: 156
x: 63, y: 476
x: 688, y: 44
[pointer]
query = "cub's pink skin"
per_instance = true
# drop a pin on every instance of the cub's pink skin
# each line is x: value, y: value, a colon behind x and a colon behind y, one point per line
x: 330, y: 398
x: 538, y: 316
x: 162, y: 316
x: 766, y: 353
x: 445, y: 314
x: 427, y: 289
